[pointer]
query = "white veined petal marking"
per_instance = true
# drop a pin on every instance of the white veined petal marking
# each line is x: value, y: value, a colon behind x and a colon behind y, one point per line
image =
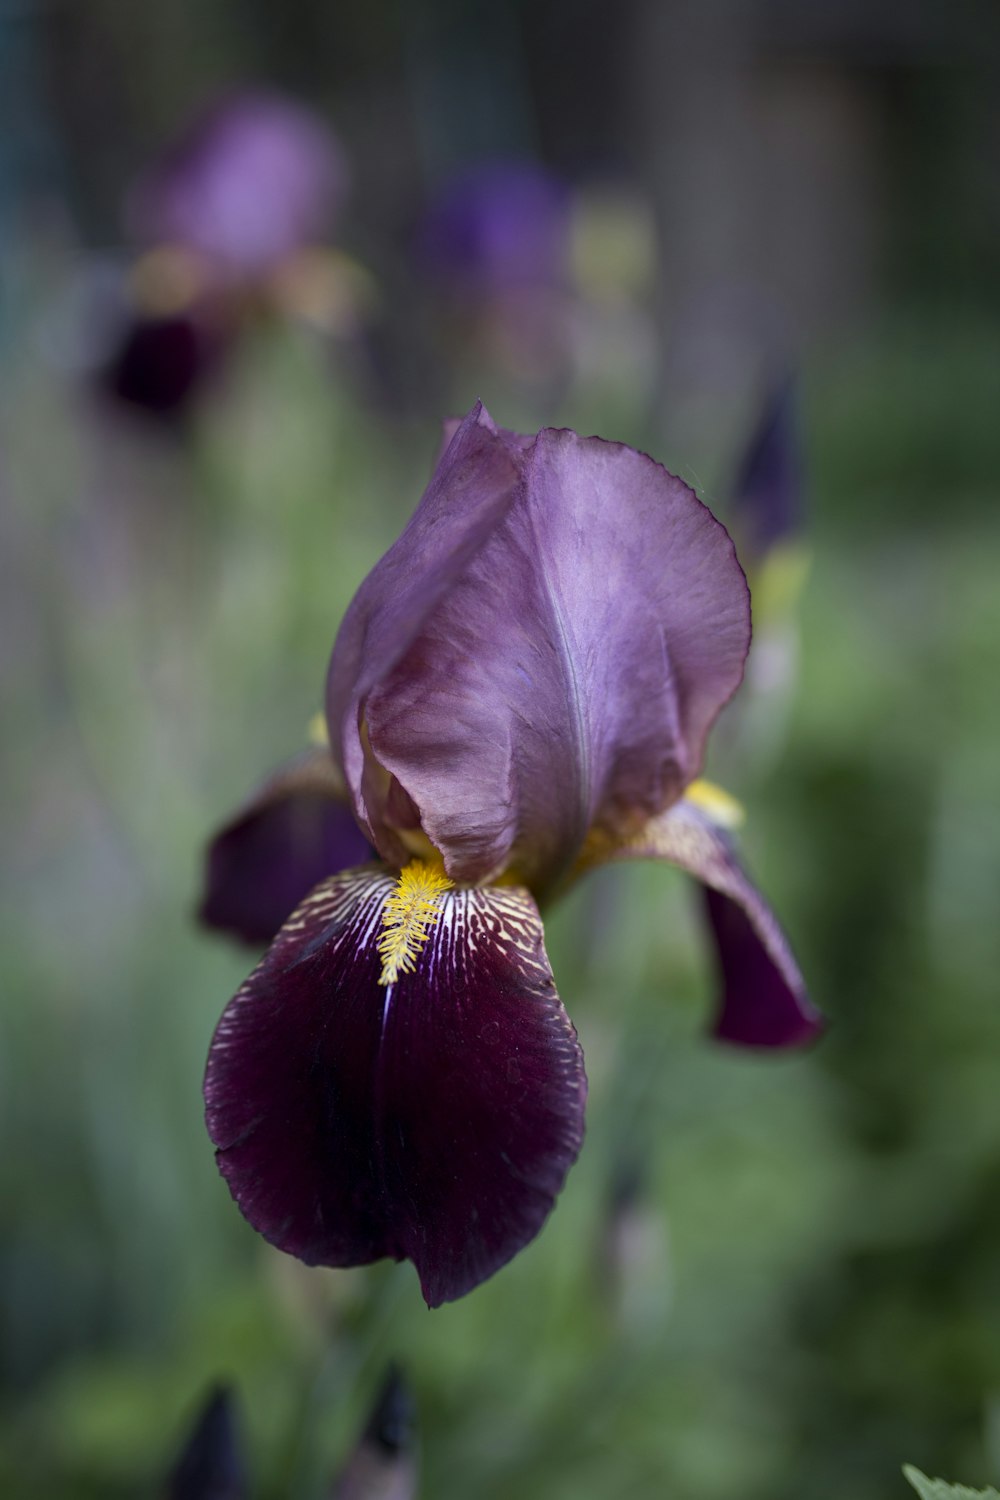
x: 409, y: 916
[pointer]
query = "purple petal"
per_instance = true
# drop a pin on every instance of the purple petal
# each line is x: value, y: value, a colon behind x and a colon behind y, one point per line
x: 767, y: 497
x: 568, y: 668
x: 253, y: 180
x: 496, y: 226
x: 434, y: 1119
x: 296, y: 830
x: 764, y: 1001
x: 211, y: 1467
x: 472, y: 487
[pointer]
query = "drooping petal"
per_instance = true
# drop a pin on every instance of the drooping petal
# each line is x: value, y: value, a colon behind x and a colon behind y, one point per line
x: 211, y: 1465
x: 432, y: 1119
x: 253, y: 179
x: 568, y: 675
x: 764, y: 1001
x: 295, y: 830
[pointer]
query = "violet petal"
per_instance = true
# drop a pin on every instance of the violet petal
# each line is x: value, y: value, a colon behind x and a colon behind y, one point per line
x: 253, y: 179
x: 297, y: 829
x: 434, y: 1119
x: 497, y: 225
x: 764, y: 1001
x: 568, y: 675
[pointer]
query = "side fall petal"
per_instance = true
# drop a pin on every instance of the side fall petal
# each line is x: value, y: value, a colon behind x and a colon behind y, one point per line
x: 764, y: 1001
x: 295, y: 830
x: 432, y: 1119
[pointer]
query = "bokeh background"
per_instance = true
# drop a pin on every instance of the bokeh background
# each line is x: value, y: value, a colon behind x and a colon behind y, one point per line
x: 771, y: 1277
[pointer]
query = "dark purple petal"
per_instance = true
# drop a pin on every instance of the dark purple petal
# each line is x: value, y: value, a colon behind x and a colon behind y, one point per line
x: 566, y: 674
x: 253, y: 180
x: 767, y: 496
x: 764, y: 1001
x: 433, y: 1119
x: 211, y: 1467
x: 162, y: 363
x: 297, y: 829
x: 498, y: 226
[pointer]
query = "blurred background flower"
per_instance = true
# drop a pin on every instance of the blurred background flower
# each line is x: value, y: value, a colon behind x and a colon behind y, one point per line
x: 763, y: 185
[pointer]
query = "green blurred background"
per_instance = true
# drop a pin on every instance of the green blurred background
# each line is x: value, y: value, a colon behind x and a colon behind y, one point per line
x: 769, y: 1277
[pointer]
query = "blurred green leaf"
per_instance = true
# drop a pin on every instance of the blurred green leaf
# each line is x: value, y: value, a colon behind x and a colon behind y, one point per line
x: 938, y: 1489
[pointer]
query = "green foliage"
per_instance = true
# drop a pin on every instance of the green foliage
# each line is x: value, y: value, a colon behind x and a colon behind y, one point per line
x: 938, y: 1489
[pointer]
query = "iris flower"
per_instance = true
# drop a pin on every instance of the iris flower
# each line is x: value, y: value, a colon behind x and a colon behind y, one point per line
x: 521, y: 690
x: 230, y: 220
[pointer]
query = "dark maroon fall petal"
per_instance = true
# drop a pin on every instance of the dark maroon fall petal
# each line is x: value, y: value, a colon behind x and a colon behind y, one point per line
x: 162, y: 363
x: 764, y: 1001
x: 434, y: 1119
x: 296, y: 830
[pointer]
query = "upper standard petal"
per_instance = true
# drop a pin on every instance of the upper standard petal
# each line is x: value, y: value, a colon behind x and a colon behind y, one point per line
x: 571, y: 665
x: 471, y: 489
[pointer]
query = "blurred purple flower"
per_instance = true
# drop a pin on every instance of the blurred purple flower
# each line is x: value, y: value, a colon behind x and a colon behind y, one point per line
x: 521, y: 690
x: 211, y: 1465
x: 498, y: 226
x: 770, y: 483
x: 229, y: 219
x: 254, y: 179
x: 382, y: 1465
x: 496, y: 242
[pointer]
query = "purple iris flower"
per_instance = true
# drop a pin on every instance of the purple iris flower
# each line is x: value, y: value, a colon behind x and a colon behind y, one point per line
x: 496, y: 241
x: 499, y: 226
x: 521, y: 690
x: 227, y: 212
x: 254, y: 179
